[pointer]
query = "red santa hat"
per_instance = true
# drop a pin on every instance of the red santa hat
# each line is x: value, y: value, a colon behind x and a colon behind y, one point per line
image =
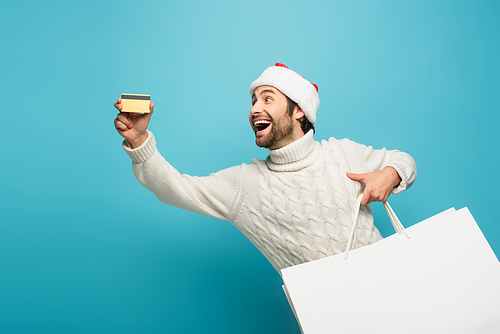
x: 293, y: 85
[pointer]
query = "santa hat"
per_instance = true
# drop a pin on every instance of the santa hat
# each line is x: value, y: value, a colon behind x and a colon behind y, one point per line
x: 293, y: 85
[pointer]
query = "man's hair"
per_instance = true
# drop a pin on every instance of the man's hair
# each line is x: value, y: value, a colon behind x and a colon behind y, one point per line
x: 305, y: 125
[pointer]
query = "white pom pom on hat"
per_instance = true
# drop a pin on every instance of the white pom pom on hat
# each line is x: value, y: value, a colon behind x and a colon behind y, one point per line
x: 293, y: 85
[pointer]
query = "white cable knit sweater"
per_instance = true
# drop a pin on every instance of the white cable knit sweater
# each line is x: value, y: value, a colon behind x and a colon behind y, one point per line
x: 296, y: 206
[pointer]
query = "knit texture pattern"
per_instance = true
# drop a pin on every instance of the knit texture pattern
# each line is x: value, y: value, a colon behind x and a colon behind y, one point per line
x: 296, y: 206
x: 306, y: 214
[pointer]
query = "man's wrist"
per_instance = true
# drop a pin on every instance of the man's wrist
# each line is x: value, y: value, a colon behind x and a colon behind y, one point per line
x: 139, y: 140
x: 397, y: 178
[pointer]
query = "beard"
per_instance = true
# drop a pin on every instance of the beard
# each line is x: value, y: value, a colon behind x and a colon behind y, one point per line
x: 281, y: 128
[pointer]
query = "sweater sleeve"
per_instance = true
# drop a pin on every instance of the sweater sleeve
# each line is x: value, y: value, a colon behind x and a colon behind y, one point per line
x: 402, y: 162
x: 212, y: 195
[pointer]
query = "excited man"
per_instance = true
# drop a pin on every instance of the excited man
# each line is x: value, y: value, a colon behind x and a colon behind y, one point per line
x: 298, y: 204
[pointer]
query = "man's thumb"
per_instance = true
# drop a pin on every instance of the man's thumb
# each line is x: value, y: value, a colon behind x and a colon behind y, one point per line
x: 355, y: 177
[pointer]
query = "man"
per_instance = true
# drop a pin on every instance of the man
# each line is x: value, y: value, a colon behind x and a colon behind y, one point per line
x: 298, y: 204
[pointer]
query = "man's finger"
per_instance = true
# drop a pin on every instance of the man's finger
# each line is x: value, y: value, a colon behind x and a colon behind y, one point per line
x: 125, y: 120
x: 151, y: 107
x: 366, y: 198
x: 120, y: 126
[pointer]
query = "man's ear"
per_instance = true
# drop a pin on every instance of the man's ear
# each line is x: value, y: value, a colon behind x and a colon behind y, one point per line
x: 298, y: 113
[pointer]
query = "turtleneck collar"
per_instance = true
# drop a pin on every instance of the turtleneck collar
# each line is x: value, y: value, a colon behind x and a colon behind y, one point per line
x: 297, y: 155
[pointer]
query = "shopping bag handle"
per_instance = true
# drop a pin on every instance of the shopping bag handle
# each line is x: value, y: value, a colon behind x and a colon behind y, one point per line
x: 398, y: 227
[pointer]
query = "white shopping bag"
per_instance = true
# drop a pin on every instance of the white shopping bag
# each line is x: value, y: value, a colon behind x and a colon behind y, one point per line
x: 444, y: 279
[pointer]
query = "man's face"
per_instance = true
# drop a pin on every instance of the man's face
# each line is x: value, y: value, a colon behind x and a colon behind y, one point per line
x: 273, y: 126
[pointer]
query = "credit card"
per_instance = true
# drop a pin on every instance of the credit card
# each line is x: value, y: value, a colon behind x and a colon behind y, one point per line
x: 136, y: 103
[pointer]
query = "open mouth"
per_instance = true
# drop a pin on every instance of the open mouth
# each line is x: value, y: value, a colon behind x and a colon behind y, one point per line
x: 261, y: 125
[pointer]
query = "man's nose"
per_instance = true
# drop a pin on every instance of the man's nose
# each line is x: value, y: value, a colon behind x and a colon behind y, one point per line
x: 256, y: 109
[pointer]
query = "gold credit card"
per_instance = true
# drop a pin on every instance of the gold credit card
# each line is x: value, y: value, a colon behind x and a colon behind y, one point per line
x: 136, y: 103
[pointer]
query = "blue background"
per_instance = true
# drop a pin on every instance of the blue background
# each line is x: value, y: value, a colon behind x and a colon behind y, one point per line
x: 85, y: 249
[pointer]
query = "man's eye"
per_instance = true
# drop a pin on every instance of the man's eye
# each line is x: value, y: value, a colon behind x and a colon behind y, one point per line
x: 268, y: 99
